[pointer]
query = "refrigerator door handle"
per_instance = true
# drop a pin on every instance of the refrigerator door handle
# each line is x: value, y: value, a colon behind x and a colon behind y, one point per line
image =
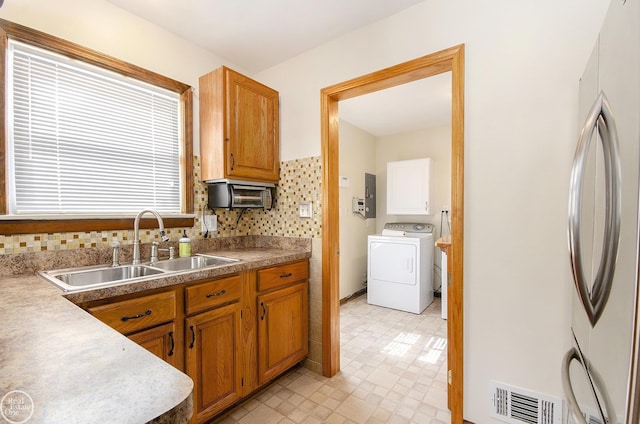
x: 574, y: 408
x: 601, y: 118
x: 597, y: 386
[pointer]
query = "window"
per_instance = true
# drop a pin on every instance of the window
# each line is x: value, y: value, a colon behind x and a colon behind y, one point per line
x: 90, y: 136
x: 83, y: 140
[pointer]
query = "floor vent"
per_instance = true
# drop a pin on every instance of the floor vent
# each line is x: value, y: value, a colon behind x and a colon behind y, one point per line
x: 514, y: 405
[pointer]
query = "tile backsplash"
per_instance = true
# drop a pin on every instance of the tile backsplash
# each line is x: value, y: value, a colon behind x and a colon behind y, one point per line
x: 300, y: 181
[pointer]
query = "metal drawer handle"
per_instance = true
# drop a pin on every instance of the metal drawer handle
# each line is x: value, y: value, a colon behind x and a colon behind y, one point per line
x: 220, y: 293
x: 173, y: 344
x: 193, y: 337
x: 264, y: 311
x: 287, y: 275
x: 601, y: 118
x: 146, y: 314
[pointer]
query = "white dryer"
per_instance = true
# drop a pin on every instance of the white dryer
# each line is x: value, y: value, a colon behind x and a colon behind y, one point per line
x: 400, y: 264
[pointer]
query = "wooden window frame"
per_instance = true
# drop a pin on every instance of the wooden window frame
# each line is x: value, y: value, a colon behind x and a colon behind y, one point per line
x: 26, y: 225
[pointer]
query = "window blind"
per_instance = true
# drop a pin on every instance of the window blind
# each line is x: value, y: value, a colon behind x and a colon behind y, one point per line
x: 84, y: 140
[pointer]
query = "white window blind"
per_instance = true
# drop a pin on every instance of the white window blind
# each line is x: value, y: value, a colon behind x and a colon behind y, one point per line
x: 83, y: 140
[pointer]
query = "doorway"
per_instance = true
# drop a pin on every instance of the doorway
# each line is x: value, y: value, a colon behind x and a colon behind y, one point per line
x: 452, y: 60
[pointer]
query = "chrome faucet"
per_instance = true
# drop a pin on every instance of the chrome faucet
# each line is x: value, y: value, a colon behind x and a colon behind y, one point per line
x: 136, y: 231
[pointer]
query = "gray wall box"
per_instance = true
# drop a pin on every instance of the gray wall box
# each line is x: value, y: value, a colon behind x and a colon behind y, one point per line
x: 369, y: 195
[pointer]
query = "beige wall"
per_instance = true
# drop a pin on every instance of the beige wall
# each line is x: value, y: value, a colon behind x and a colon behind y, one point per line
x: 522, y: 65
x: 357, y: 157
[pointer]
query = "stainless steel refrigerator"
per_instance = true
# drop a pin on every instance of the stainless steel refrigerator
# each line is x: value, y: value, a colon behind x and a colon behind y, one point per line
x: 599, y: 373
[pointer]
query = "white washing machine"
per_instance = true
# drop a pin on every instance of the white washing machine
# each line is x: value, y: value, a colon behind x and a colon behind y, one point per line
x: 400, y: 264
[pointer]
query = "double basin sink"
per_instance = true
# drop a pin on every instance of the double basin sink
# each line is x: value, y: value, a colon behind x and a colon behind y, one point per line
x: 75, y: 279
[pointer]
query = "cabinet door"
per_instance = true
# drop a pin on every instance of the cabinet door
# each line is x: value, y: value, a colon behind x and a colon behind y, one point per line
x: 214, y: 359
x: 408, y: 187
x: 161, y: 341
x: 283, y: 328
x: 252, y: 132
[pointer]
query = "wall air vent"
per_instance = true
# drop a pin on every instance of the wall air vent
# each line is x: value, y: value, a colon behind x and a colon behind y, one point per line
x: 514, y: 405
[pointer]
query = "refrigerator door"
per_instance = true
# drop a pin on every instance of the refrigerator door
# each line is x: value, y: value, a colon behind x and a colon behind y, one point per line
x: 611, y: 338
x: 603, y: 314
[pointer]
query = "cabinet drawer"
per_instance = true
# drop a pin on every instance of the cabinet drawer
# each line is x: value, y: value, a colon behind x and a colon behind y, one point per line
x: 136, y: 314
x: 282, y: 275
x: 213, y: 293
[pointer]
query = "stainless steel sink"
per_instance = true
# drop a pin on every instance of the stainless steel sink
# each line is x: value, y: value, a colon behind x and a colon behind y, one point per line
x: 192, y: 263
x: 76, y: 279
x: 82, y: 278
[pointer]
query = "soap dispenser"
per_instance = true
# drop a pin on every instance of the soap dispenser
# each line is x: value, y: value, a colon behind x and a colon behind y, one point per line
x: 184, y: 245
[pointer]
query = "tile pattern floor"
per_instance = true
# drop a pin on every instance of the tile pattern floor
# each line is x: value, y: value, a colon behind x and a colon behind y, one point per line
x: 393, y: 370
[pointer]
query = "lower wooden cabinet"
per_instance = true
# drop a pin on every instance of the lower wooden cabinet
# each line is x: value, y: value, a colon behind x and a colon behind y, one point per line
x: 232, y: 334
x: 161, y: 341
x: 283, y: 335
x: 214, y: 360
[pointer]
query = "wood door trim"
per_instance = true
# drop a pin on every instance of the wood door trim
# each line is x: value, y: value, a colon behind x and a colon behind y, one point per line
x: 452, y: 60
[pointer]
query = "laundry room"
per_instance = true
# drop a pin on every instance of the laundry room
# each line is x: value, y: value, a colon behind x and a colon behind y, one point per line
x: 367, y: 146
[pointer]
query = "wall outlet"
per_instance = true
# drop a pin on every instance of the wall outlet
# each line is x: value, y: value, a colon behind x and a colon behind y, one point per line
x: 210, y: 223
x: 305, y: 210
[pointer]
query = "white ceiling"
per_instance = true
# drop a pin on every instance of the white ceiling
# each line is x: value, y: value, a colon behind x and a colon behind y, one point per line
x: 408, y: 107
x: 257, y: 35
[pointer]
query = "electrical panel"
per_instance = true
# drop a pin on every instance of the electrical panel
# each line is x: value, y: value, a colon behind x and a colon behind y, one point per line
x: 369, y: 195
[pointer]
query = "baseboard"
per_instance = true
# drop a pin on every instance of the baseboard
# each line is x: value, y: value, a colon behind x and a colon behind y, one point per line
x: 353, y: 295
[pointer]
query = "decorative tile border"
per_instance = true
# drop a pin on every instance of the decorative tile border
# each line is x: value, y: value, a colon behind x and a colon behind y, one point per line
x: 300, y: 180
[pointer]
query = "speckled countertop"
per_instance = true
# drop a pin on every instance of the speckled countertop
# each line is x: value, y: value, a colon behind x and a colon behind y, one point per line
x: 75, y: 369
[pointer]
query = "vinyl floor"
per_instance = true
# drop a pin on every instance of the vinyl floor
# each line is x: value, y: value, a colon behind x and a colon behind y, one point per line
x: 393, y: 370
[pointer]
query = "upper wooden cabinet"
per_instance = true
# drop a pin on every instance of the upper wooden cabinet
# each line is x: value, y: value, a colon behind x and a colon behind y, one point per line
x: 239, y: 128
